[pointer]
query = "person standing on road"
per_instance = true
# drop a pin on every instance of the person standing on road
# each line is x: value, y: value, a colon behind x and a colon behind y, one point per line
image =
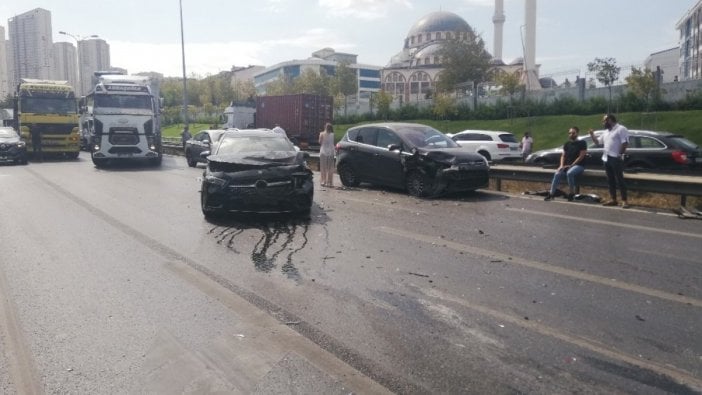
x: 574, y: 151
x: 326, y: 155
x: 526, y: 144
x: 36, y: 145
x: 185, y: 136
x: 615, y: 140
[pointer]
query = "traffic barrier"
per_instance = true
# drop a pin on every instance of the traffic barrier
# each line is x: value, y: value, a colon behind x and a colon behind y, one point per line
x: 671, y: 184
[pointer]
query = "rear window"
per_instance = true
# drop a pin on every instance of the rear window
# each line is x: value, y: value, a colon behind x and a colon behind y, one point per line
x: 685, y: 143
x: 508, y: 138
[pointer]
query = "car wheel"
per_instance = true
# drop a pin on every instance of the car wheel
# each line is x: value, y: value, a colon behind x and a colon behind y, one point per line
x: 191, y: 161
x: 347, y: 175
x: 418, y: 184
x: 486, y: 155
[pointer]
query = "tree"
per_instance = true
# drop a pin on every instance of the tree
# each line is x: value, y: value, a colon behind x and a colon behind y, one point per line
x: 463, y: 59
x: 381, y: 100
x: 444, y: 106
x: 344, y: 83
x: 244, y: 91
x: 643, y: 84
x: 313, y: 83
x: 509, y: 84
x: 7, y: 101
x: 606, y: 71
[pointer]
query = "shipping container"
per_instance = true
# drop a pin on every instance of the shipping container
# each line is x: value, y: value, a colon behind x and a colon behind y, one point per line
x: 302, y: 116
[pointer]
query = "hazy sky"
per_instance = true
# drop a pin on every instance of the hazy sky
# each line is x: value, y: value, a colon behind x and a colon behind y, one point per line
x: 145, y: 35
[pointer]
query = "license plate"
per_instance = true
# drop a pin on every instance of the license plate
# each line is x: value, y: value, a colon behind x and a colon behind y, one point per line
x: 512, y: 148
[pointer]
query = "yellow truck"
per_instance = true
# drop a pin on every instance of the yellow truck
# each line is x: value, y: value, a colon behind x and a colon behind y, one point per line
x: 48, y: 109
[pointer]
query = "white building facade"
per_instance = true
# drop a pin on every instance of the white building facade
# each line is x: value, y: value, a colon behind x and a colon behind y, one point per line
x: 690, y: 57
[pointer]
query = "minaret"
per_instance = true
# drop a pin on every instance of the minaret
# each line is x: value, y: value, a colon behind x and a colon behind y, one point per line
x: 531, y: 79
x: 498, y: 20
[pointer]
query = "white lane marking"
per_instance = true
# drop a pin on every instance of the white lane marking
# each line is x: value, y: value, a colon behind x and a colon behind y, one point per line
x: 609, y: 282
x: 680, y: 375
x: 608, y: 223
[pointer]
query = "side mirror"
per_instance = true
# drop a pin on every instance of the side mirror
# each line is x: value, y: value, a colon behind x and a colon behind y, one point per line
x: 394, y: 147
x: 207, y: 142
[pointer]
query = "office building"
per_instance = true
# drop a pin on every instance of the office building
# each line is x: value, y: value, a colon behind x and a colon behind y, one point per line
x: 4, y: 61
x: 31, y: 45
x: 94, y: 56
x: 690, y: 58
x: 65, y: 63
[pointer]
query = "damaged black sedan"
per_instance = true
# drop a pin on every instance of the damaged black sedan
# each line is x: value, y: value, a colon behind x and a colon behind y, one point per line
x: 256, y: 171
x: 414, y: 157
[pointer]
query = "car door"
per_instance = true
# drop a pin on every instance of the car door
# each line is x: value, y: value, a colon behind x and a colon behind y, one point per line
x: 387, y: 165
x: 647, y: 152
x: 364, y: 151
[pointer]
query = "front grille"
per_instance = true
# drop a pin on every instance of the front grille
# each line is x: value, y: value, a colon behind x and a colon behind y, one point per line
x: 124, y: 150
x: 52, y: 128
x: 8, y: 148
x: 128, y: 136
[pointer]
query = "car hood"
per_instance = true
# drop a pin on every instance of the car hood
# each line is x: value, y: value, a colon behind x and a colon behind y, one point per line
x: 254, y: 160
x: 451, y: 156
x: 9, y: 140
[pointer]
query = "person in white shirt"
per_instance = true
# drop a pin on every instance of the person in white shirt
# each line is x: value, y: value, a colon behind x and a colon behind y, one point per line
x: 526, y: 144
x: 326, y: 156
x: 615, y: 140
x: 278, y: 129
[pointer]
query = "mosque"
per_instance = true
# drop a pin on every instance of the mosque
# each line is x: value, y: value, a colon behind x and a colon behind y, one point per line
x: 413, y: 72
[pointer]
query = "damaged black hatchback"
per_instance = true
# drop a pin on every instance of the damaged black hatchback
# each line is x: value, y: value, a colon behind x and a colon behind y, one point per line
x: 256, y: 171
x: 414, y: 157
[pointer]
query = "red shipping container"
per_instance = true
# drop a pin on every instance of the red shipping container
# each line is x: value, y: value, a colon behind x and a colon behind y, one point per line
x: 302, y: 116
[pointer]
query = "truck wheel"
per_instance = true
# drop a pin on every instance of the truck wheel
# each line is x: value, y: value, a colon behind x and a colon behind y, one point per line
x: 99, y: 162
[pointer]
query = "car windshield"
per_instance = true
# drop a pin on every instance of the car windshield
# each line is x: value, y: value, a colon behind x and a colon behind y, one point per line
x: 246, y: 144
x: 426, y: 137
x: 7, y: 133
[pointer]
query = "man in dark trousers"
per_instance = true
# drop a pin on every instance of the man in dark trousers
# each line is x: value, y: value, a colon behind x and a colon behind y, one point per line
x: 36, y: 144
x: 615, y: 140
x: 185, y: 135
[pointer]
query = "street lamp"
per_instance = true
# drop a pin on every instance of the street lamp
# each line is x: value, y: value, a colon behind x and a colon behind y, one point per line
x: 78, y: 39
x: 185, y: 79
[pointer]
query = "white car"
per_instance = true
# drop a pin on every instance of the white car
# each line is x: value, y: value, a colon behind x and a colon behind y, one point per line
x: 493, y: 145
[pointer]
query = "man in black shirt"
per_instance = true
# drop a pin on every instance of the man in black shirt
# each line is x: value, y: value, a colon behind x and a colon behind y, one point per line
x: 574, y: 151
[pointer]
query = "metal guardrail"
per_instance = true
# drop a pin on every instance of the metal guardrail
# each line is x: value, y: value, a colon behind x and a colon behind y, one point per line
x: 671, y: 184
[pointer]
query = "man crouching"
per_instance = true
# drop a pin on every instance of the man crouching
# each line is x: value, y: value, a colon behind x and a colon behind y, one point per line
x: 574, y: 151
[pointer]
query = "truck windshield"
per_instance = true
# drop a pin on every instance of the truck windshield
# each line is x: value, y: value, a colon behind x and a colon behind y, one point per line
x: 48, y: 105
x: 123, y: 101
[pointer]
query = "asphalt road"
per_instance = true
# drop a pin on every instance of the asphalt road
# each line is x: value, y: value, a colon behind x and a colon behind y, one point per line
x: 112, y: 282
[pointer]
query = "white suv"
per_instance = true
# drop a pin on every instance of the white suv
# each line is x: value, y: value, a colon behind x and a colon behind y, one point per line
x: 493, y: 145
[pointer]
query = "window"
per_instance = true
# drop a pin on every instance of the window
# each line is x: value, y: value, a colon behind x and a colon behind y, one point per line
x: 647, y: 142
x: 366, y: 136
x: 386, y: 138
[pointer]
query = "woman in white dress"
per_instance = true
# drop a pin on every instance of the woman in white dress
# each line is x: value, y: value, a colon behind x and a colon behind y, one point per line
x: 326, y: 155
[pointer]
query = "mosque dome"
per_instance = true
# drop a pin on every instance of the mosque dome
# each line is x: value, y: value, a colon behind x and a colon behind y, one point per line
x: 439, y: 21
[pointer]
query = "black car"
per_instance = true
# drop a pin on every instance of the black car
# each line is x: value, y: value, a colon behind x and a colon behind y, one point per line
x: 199, y: 143
x: 646, y: 150
x: 12, y: 147
x: 256, y: 171
x: 414, y: 157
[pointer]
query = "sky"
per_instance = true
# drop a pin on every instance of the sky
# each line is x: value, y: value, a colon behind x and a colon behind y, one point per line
x: 146, y: 35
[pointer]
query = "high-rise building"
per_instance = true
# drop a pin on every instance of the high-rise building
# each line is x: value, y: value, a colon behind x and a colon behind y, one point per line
x: 4, y: 76
x: 689, y: 25
x: 65, y: 63
x: 31, y: 45
x: 94, y: 56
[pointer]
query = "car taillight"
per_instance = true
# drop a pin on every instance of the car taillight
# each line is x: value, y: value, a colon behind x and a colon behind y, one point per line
x: 680, y: 157
x: 502, y: 145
